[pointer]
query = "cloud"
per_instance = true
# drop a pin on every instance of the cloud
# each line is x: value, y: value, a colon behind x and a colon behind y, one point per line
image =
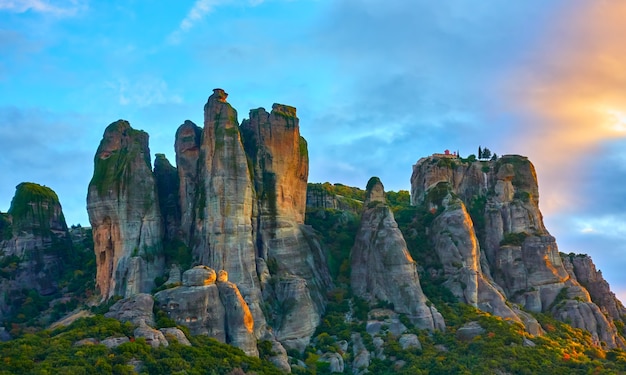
x: 416, y: 78
x: 569, y: 91
x: 197, y: 12
x: 143, y: 92
x: 60, y: 8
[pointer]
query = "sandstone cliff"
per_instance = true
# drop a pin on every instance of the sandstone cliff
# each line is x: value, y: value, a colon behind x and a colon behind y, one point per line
x: 382, y: 269
x: 523, y: 259
x: 223, y: 237
x: 211, y: 306
x: 454, y: 240
x: 34, y: 243
x: 242, y: 194
x: 187, y: 146
x: 290, y: 250
x: 124, y: 213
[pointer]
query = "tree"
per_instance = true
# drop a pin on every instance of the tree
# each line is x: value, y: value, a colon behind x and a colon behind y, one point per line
x: 480, y: 152
x: 494, y: 157
x: 486, y: 154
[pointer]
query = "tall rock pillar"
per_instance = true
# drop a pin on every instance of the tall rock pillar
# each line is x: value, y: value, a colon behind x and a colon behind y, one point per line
x: 224, y: 202
x: 124, y: 213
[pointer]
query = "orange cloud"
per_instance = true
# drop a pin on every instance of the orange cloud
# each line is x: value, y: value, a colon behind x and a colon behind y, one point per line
x: 573, y: 88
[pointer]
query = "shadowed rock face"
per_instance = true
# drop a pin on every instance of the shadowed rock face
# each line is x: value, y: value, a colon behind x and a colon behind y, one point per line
x: 35, y: 239
x: 167, y: 183
x: 502, y: 196
x: 187, y: 146
x: 382, y: 268
x: 124, y: 213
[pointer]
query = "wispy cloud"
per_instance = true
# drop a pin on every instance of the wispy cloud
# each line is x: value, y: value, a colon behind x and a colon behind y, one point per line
x: 59, y: 8
x: 198, y: 11
x: 143, y: 92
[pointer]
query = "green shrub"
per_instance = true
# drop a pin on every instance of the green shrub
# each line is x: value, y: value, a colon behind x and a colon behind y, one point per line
x: 515, y: 239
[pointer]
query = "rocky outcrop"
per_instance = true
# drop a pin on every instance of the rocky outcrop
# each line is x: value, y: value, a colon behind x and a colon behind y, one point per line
x: 211, y: 306
x: 153, y: 337
x: 581, y: 267
x: 176, y: 334
x: 223, y: 236
x: 124, y: 213
x: 319, y: 196
x: 454, y: 240
x: 35, y: 245
x: 187, y: 146
x: 280, y: 168
x: 499, y: 198
x: 134, y: 309
x: 383, y: 269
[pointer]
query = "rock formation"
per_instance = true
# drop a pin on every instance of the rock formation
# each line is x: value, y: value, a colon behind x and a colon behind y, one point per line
x: 238, y: 209
x: 280, y: 165
x: 124, y: 213
x: 134, y: 309
x: 317, y: 196
x: 382, y: 269
x: 34, y: 243
x: 211, y: 306
x: 582, y: 268
x: 454, y: 240
x: 187, y: 146
x: 502, y: 198
x: 223, y: 237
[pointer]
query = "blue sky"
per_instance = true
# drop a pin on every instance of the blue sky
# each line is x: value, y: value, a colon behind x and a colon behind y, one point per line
x: 377, y: 84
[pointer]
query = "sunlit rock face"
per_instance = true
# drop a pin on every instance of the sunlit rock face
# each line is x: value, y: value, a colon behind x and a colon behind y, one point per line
x: 211, y: 306
x: 124, y: 213
x: 224, y: 201
x: 500, y: 199
x: 34, y: 244
x: 382, y: 268
x: 453, y: 238
x: 280, y: 166
x: 242, y: 199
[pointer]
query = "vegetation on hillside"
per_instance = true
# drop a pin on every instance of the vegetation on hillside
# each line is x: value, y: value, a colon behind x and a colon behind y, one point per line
x: 504, y: 347
x: 47, y: 352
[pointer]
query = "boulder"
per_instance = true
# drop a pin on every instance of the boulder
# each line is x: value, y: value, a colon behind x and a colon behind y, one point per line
x: 176, y: 334
x: 335, y: 360
x: 214, y: 309
x: 409, y: 341
x: 199, y: 276
x: 114, y: 342
x: 133, y: 309
x: 468, y: 331
x: 153, y: 337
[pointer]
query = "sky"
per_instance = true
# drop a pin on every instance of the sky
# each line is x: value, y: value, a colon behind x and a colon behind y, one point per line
x: 377, y: 84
